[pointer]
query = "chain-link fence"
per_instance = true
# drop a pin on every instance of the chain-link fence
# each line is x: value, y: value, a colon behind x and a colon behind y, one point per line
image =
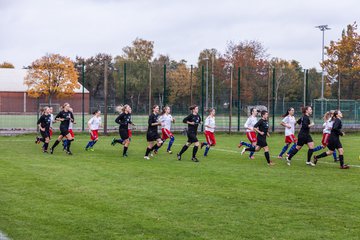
x: 232, y: 91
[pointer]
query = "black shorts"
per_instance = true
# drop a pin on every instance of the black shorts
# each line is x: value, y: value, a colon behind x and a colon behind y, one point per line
x: 124, y: 134
x: 261, y: 141
x: 192, y: 137
x: 45, y: 134
x: 152, y: 136
x: 304, y: 139
x: 334, y: 143
x: 64, y: 132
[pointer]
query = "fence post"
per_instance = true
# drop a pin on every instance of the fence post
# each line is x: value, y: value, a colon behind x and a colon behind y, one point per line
x: 273, y: 102
x: 230, y: 100
x: 83, y: 98
x: 164, y: 97
x: 105, y: 96
x: 202, y: 97
x: 307, y: 87
x: 238, y: 101
x: 124, y: 83
x: 191, y: 94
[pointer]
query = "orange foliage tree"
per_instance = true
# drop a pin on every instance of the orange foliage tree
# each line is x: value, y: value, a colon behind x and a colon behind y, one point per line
x: 344, y: 59
x: 6, y: 65
x: 52, y: 75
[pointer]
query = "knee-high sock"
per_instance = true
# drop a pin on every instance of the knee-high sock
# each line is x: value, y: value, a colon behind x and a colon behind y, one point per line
x: 93, y: 143
x: 195, y: 149
x: 334, y: 155
x: 89, y: 144
x: 252, y: 153
x: 65, y: 143
x: 284, y: 149
x: 119, y: 140
x: 250, y: 149
x: 341, y: 159
x: 206, y: 150
x: 55, y: 144
x: 172, y: 139
x: 267, y: 156
x: 46, y: 146
x: 184, y: 148
x: 292, y: 148
x: 292, y: 153
x: 125, y: 150
x: 318, y: 148
x: 246, y: 144
x: 321, y: 155
x: 148, y: 150
x: 69, y: 144
x: 310, y: 153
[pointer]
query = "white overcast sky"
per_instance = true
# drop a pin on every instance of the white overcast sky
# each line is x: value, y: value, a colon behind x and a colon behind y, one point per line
x: 179, y: 28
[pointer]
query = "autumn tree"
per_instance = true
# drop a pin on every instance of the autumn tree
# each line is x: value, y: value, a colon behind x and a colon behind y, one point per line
x: 287, y: 73
x: 94, y: 77
x: 344, y: 60
x: 179, y: 79
x: 138, y: 59
x: 217, y: 68
x: 52, y: 75
x: 251, y: 57
x: 6, y: 65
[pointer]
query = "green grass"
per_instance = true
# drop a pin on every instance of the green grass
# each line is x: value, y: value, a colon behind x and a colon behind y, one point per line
x: 100, y: 195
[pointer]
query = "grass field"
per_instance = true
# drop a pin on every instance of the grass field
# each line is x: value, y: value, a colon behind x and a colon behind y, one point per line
x: 101, y: 195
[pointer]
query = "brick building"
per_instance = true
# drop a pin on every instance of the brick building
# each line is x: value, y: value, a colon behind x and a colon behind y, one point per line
x: 14, y: 98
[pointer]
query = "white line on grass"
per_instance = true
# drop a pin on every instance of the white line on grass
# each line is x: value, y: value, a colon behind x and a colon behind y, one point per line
x: 3, y: 236
x: 238, y: 152
x: 213, y: 149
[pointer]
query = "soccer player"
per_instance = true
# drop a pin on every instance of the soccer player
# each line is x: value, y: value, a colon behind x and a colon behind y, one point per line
x: 124, y: 119
x: 65, y: 117
x: 152, y: 134
x: 250, y: 132
x: 328, y: 124
x: 209, y: 131
x: 193, y: 121
x: 289, y: 123
x: 71, y: 125
x: 94, y: 124
x: 44, y: 126
x: 166, y: 120
x: 261, y: 127
x: 304, y: 136
x: 52, y: 120
x: 334, y: 141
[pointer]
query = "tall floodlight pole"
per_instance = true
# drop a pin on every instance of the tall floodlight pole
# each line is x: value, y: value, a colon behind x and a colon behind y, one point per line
x: 322, y: 28
x: 207, y: 84
x: 212, y: 80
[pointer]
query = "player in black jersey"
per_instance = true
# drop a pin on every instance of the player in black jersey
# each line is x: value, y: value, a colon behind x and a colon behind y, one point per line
x: 65, y: 117
x: 44, y: 123
x: 334, y: 140
x: 262, y: 129
x: 124, y: 119
x: 193, y: 121
x: 304, y: 136
x: 152, y: 134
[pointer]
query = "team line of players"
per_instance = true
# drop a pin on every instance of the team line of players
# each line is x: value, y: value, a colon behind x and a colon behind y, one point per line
x: 256, y: 132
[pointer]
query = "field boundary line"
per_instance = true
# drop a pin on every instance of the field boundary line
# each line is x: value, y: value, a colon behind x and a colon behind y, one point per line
x: 3, y: 236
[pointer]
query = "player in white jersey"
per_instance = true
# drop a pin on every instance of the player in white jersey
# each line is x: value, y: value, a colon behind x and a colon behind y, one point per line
x: 328, y: 125
x: 250, y: 132
x: 94, y: 124
x: 209, y: 131
x: 289, y: 123
x: 166, y: 121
